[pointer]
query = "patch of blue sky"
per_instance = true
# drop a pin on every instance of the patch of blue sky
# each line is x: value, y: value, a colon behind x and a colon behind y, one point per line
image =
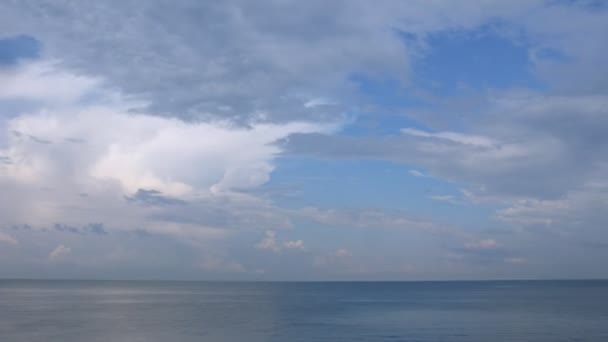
x: 454, y: 63
x: 381, y: 124
x: 368, y: 184
x: 387, y: 113
x: 358, y: 240
x: 552, y: 55
x: 387, y: 92
x: 15, y: 48
x: 460, y: 60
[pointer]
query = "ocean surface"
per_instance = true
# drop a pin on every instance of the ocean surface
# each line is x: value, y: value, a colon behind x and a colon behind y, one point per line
x: 69, y: 311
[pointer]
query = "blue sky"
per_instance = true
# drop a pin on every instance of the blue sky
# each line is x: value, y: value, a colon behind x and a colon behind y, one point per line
x: 401, y: 140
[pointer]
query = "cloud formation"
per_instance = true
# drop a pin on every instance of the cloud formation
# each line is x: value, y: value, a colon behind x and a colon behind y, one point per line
x: 8, y: 239
x: 270, y: 242
x: 165, y: 125
x: 60, y: 252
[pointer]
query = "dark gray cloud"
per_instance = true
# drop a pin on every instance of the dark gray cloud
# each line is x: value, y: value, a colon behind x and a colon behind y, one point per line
x: 96, y: 228
x: 75, y: 140
x: 32, y: 138
x: 153, y: 197
x: 21, y: 227
x: 91, y: 228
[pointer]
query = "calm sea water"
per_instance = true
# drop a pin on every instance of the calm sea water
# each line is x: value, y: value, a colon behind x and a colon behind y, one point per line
x: 411, y: 311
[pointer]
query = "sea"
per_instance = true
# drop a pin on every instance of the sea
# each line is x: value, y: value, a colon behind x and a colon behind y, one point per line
x: 484, y: 311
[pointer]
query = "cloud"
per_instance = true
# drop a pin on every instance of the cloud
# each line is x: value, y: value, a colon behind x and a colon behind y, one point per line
x: 531, y: 133
x: 8, y: 239
x: 343, y: 253
x: 516, y: 261
x: 5, y: 160
x: 60, y: 252
x: 174, y: 136
x: 580, y: 209
x: 443, y: 198
x: 258, y: 59
x: 230, y: 211
x: 368, y: 218
x: 133, y: 157
x: 487, y: 251
x: 145, y: 152
x: 296, y: 244
x: 482, y: 244
x: 216, y: 264
x: 489, y: 161
x: 153, y: 197
x: 452, y: 137
x: 91, y: 228
x: 448, y: 199
x: 271, y: 243
x: 44, y: 81
x: 417, y: 173
x: 340, y: 259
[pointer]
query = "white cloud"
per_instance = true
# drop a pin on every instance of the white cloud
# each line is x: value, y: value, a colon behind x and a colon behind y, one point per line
x: 341, y: 258
x: 581, y: 208
x: 91, y: 143
x: 417, y: 173
x: 369, y: 218
x: 482, y: 244
x: 60, y: 252
x: 8, y: 239
x: 271, y: 243
x: 443, y: 198
x: 316, y: 102
x: 220, y: 265
x: 474, y: 140
x: 343, y: 253
x: 296, y: 244
x: 140, y: 151
x: 516, y: 261
x: 44, y: 81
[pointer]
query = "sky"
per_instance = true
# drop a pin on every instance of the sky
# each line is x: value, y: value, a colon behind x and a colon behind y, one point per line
x: 304, y: 140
